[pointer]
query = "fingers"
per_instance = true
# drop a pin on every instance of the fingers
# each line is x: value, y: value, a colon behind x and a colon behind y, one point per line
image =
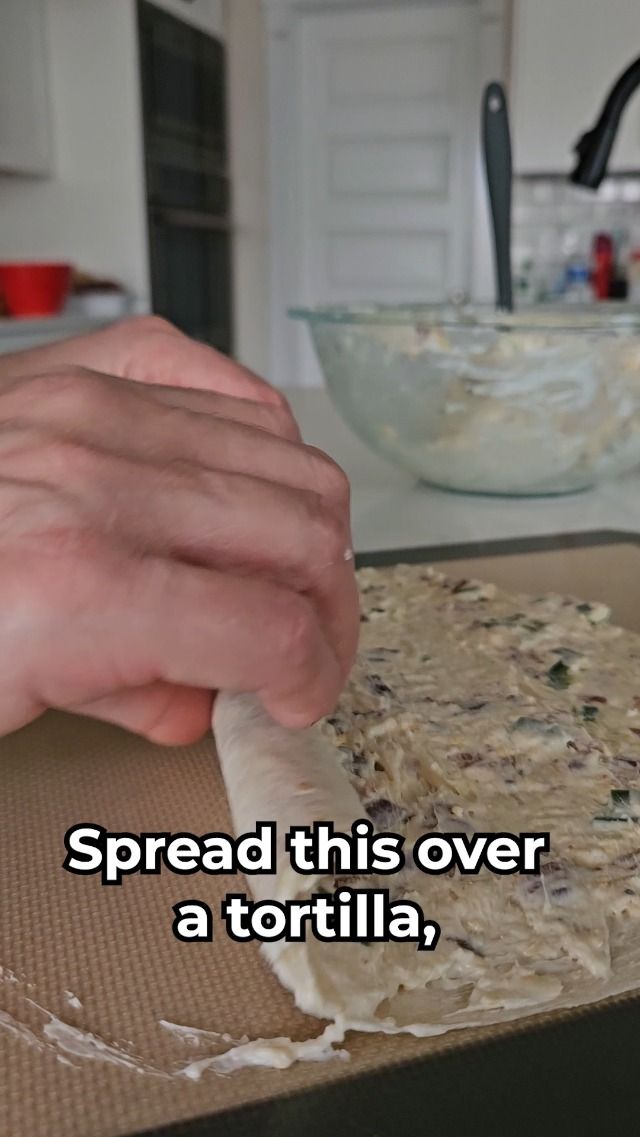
x: 236, y: 523
x: 75, y: 398
x: 130, y: 622
x: 146, y: 349
x: 169, y: 542
x: 274, y: 418
x: 120, y: 448
x: 165, y: 714
x: 213, y: 518
x: 166, y: 426
x: 150, y: 350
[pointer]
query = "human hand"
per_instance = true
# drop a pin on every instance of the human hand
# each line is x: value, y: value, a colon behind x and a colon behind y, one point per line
x: 146, y: 349
x: 158, y: 543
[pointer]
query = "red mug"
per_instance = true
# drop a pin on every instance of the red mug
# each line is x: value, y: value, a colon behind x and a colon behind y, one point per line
x: 31, y: 289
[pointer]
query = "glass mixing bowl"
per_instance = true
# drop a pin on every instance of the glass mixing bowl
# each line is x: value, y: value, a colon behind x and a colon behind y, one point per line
x: 543, y: 401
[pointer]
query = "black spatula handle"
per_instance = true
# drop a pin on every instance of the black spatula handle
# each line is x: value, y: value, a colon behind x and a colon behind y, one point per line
x: 496, y: 140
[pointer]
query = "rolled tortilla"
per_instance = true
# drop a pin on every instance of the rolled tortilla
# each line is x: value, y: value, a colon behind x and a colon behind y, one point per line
x: 292, y: 778
x: 273, y: 774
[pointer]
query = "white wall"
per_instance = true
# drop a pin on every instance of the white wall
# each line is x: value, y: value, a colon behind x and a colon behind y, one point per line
x: 92, y: 211
x: 249, y: 170
x: 566, y: 56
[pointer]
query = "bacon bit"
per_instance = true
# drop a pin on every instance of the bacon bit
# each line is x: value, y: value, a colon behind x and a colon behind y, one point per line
x: 460, y: 585
x: 597, y: 699
x: 384, y: 812
x: 469, y: 759
x: 590, y: 748
x: 635, y: 702
x: 626, y: 761
x: 465, y: 944
x: 377, y: 685
x: 635, y: 730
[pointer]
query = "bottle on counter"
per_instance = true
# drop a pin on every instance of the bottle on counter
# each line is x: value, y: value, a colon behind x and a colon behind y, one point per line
x: 603, y: 263
x: 524, y: 280
x: 619, y: 287
x: 633, y: 274
x: 577, y: 285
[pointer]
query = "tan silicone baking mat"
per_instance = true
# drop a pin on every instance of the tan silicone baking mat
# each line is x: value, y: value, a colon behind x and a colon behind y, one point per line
x: 113, y: 948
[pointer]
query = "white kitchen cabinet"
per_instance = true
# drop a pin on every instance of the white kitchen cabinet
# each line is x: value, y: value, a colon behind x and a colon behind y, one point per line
x: 566, y: 54
x: 25, y: 131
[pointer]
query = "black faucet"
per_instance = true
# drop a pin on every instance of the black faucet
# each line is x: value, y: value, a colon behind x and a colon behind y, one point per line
x: 594, y: 147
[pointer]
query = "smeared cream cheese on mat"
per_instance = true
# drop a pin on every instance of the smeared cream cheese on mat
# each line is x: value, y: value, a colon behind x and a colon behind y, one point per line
x: 73, y: 1045
x: 20, y: 1030
x: 279, y: 1053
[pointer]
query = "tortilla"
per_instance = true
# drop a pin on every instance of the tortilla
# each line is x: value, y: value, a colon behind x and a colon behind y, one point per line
x: 469, y: 710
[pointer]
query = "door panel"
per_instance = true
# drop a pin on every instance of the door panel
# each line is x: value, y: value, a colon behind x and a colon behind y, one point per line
x: 384, y: 263
x: 393, y: 69
x: 388, y: 165
x: 387, y: 113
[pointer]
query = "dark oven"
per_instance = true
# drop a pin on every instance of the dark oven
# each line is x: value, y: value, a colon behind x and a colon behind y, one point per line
x: 184, y: 110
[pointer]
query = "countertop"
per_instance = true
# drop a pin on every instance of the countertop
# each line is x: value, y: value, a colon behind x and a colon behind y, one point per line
x: 21, y: 334
x: 390, y: 510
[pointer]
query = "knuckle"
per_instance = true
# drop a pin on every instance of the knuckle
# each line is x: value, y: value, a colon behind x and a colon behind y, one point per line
x: 219, y: 487
x: 39, y: 456
x: 271, y: 398
x: 283, y: 422
x: 75, y: 386
x: 332, y: 479
x: 19, y: 437
x: 280, y: 421
x: 149, y: 324
x: 68, y: 537
x: 60, y: 457
x: 61, y: 377
x: 38, y: 513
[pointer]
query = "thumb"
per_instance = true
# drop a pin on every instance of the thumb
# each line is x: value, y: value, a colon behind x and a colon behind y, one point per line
x: 162, y: 712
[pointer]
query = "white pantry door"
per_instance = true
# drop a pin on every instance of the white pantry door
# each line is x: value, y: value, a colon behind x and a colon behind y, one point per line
x: 385, y: 130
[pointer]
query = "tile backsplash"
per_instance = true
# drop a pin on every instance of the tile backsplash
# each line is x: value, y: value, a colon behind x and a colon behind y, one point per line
x: 554, y: 224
